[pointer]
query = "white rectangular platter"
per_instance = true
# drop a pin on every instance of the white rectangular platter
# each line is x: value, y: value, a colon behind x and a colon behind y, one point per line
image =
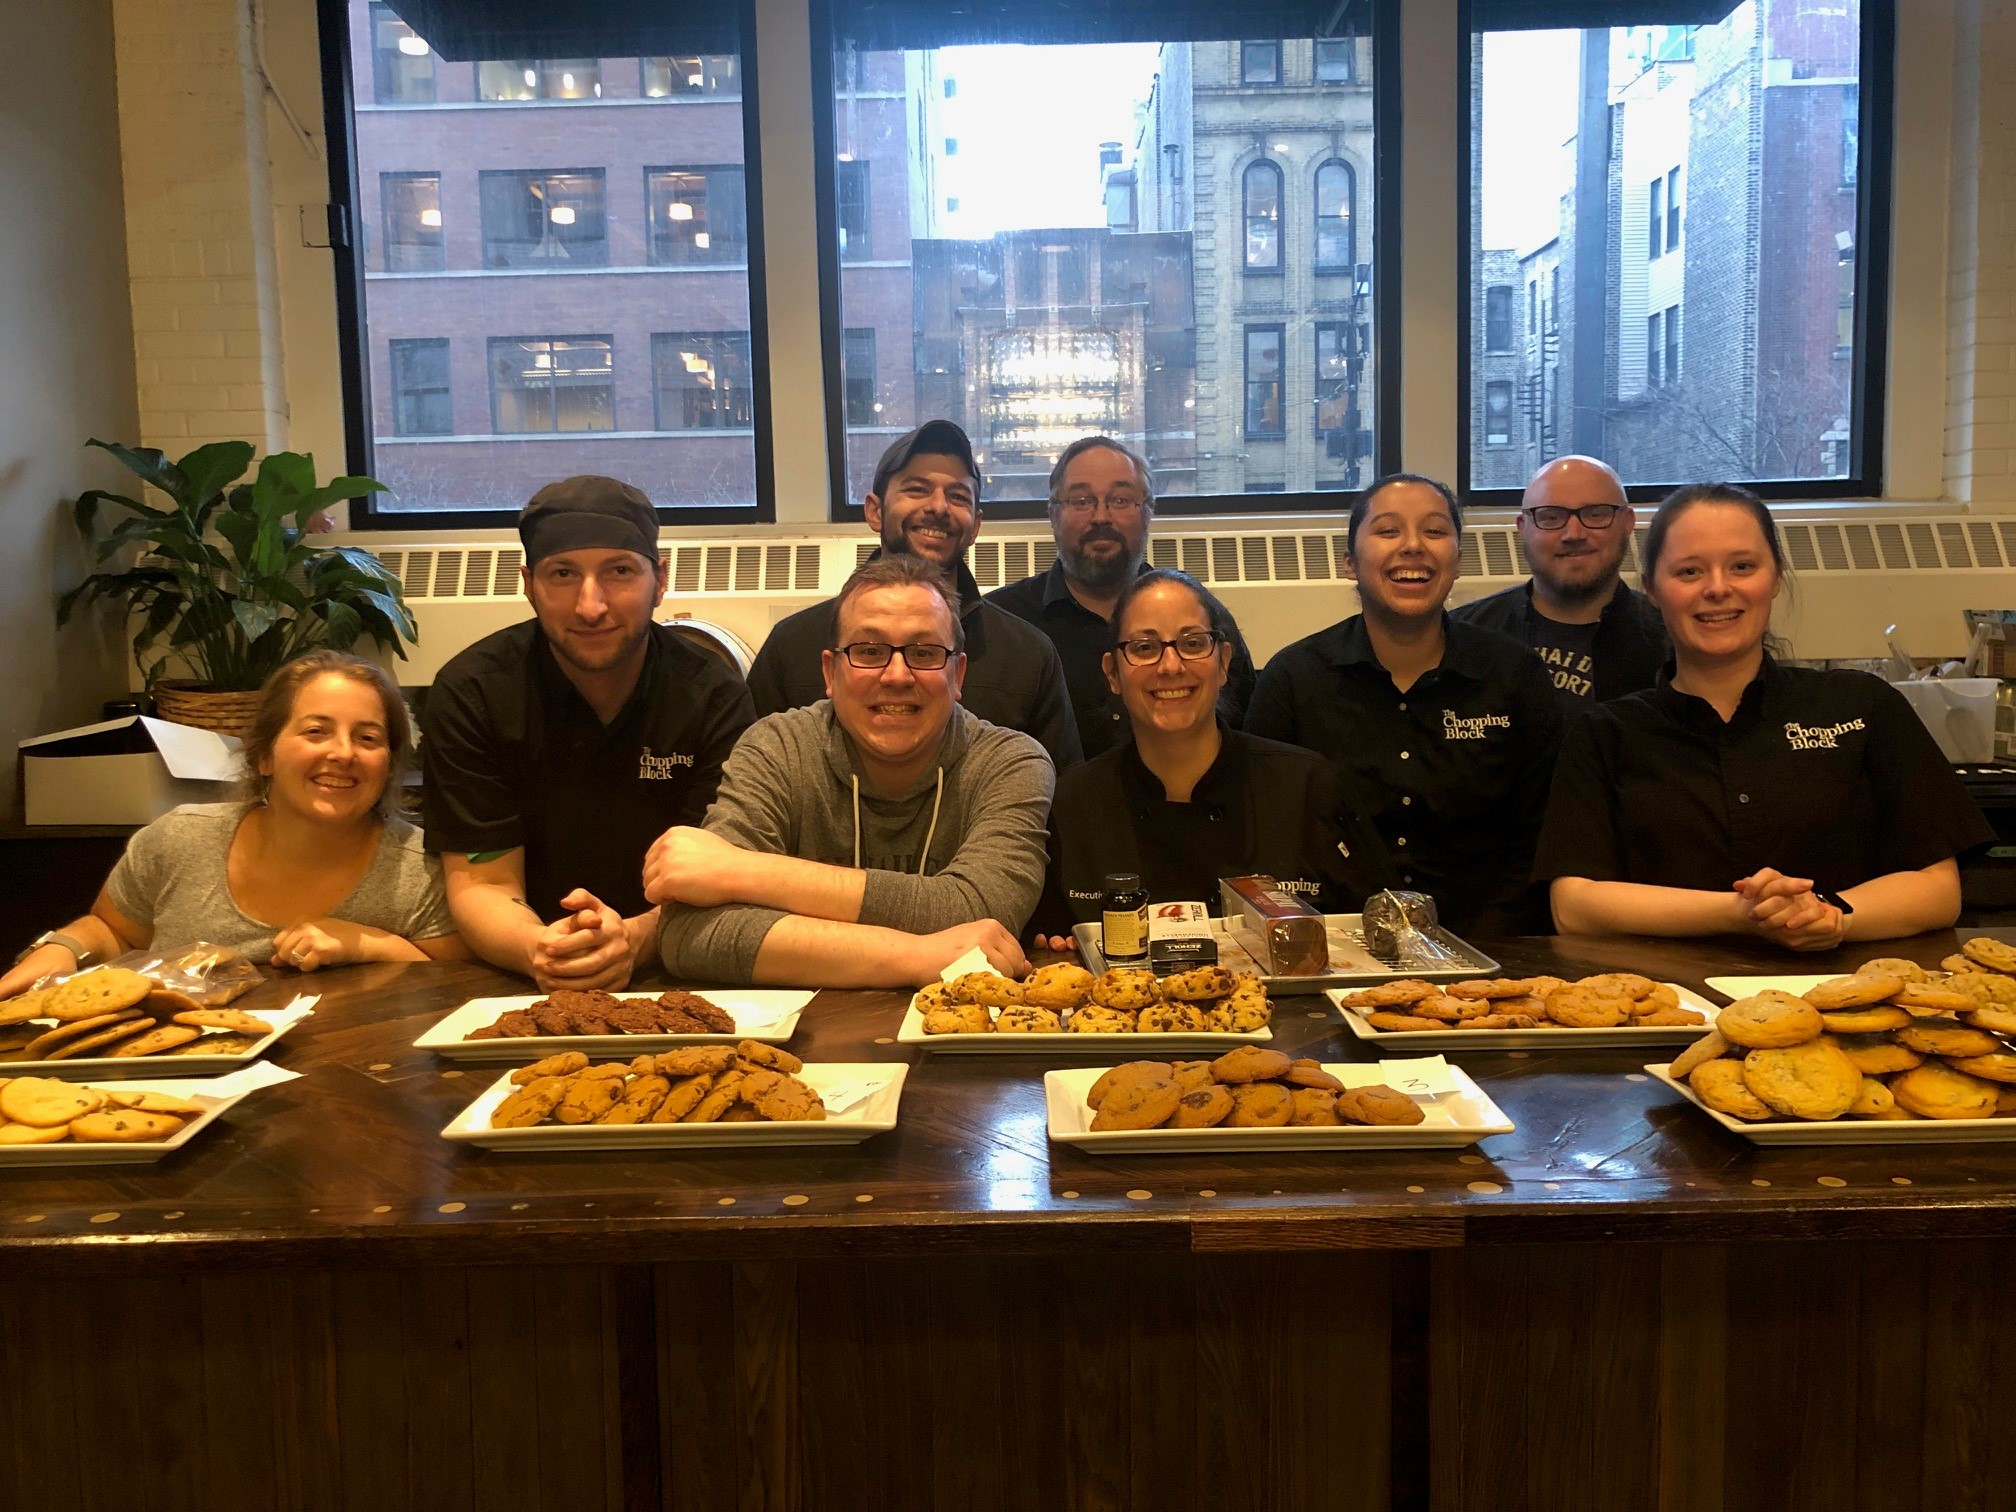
x: 1555, y: 1036
x: 1351, y: 964
x: 879, y: 1085
x: 1147, y: 1046
x: 765, y: 1014
x: 1461, y: 1117
x: 151, y: 1067
x: 1733, y: 987
x: 1854, y: 1131
x: 216, y: 1095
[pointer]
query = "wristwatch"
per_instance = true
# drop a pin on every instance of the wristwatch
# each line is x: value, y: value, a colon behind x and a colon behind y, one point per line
x: 70, y: 943
x: 1834, y: 900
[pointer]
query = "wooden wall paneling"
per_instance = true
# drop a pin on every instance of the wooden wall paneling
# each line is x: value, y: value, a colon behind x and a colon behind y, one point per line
x: 372, y: 1413
x: 1164, y: 1379
x: 445, y: 1437
x: 1889, y: 1312
x: 140, y: 1348
x: 1968, y: 1464
x: 1096, y: 1314
x: 1693, y: 1285
x: 696, y: 1381
x: 503, y: 1375
x: 268, y: 1390
x: 764, y: 1381
x: 1477, y: 1348
x: 1593, y: 1389
x: 860, y: 1419
x: 1032, y: 1368
x: 971, y: 1445
x: 630, y: 1338
x: 574, y: 1411
x: 39, y: 1396
x: 1409, y: 1401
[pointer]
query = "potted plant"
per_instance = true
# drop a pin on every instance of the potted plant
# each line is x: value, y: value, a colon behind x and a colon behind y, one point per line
x: 230, y: 582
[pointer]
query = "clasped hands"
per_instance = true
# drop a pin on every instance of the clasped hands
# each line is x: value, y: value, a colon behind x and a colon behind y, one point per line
x: 1786, y: 911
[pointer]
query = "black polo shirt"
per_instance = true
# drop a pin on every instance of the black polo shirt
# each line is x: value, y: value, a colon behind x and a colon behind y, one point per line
x: 513, y: 756
x: 1820, y: 774
x: 1626, y: 653
x: 1082, y: 639
x: 1456, y: 769
x: 1013, y: 677
x: 1263, y: 807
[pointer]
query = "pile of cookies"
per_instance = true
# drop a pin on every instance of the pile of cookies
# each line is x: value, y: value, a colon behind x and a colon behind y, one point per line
x: 42, y: 1110
x: 1246, y: 1088
x: 120, y: 1015
x: 1067, y: 999
x: 1892, y: 1041
x: 1613, y: 1000
x: 746, y: 1083
x: 570, y: 1012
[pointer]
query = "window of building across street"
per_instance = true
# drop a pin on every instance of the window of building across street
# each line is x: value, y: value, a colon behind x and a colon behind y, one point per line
x: 538, y: 224
x: 1660, y: 175
x: 1093, y: 265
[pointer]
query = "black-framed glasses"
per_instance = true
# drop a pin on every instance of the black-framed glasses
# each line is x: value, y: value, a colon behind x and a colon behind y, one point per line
x: 1555, y: 516
x: 1116, y: 503
x: 872, y: 656
x: 1191, y: 645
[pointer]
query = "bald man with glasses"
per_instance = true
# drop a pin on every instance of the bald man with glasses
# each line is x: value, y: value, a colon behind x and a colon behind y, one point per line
x: 1598, y: 638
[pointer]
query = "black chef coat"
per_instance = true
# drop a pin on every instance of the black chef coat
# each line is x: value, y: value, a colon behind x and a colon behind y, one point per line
x: 514, y: 756
x: 1821, y: 774
x: 1263, y: 807
x: 1013, y: 678
x: 1083, y: 638
x: 1456, y: 769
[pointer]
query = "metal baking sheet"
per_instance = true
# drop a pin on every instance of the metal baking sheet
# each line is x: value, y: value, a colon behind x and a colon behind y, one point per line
x: 1351, y: 964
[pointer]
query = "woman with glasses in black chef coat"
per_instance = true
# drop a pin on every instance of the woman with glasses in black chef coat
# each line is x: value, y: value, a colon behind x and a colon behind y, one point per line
x: 1743, y: 796
x: 1449, y: 730
x: 1187, y: 799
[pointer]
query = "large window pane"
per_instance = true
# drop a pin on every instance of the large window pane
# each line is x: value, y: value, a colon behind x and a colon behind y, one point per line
x: 532, y: 226
x: 1715, y: 196
x: 1050, y: 280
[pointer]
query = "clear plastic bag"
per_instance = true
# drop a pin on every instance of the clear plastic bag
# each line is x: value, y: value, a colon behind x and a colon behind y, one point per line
x: 1395, y: 925
x: 211, y: 975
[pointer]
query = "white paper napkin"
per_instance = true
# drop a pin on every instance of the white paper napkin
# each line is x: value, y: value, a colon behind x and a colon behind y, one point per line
x: 250, y: 1079
x: 974, y: 960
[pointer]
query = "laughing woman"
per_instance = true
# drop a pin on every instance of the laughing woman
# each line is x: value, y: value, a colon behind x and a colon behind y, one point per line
x: 1741, y: 796
x: 1448, y: 729
x: 1188, y: 800
x: 314, y: 870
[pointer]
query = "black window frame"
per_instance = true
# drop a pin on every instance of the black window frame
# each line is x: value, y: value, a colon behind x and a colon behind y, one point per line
x: 1331, y: 267
x: 1655, y: 223
x: 340, y: 98
x: 400, y: 347
x: 1263, y: 167
x: 380, y: 74
x: 1673, y: 209
x: 706, y: 60
x: 1876, y: 92
x: 488, y: 178
x: 724, y: 344
x: 539, y: 68
x: 1672, y: 362
x: 386, y: 241
x: 1655, y: 349
x: 1239, y: 55
x: 1347, y: 49
x: 1279, y: 331
x: 1511, y: 409
x: 860, y: 375
x: 1500, y: 321
x: 737, y: 236
x: 863, y: 196
x: 490, y: 345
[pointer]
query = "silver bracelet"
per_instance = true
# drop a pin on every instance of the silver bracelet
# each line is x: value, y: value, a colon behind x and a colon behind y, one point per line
x: 70, y: 943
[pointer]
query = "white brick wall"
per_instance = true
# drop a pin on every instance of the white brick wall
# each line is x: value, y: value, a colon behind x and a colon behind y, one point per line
x: 1981, y: 275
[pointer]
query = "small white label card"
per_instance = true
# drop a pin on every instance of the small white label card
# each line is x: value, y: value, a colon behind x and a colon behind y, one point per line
x: 974, y: 960
x: 1424, y: 1076
x: 844, y: 1094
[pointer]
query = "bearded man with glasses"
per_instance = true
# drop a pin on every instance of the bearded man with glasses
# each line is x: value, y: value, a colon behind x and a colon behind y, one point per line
x: 1102, y: 501
x: 874, y: 837
x: 1598, y: 638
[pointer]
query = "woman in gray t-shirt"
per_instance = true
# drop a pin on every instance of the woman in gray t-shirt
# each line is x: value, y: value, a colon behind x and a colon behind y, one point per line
x: 313, y: 871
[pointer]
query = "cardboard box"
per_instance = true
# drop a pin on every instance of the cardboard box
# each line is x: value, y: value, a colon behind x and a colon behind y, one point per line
x: 124, y: 771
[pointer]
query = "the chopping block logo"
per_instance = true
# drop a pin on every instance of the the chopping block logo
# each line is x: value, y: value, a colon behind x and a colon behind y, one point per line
x: 1818, y: 738
x: 1454, y: 727
x: 661, y: 768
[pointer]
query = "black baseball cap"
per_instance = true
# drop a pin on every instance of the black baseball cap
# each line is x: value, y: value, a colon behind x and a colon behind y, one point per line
x: 933, y: 437
x: 588, y: 512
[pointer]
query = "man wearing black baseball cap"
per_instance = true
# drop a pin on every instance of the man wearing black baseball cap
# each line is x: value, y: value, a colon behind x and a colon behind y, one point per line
x: 926, y: 502
x: 557, y: 750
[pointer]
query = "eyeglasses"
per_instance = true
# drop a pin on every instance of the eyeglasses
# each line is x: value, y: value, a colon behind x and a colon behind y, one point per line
x: 1555, y: 516
x: 1191, y: 645
x: 1116, y: 503
x: 871, y: 656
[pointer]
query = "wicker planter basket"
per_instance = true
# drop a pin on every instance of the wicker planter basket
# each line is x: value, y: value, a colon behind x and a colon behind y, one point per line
x: 186, y: 703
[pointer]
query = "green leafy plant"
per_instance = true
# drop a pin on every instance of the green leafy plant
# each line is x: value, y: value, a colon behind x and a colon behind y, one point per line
x: 230, y: 583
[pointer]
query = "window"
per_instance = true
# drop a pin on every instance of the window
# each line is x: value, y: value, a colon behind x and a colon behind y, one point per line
x: 1336, y: 240
x: 1335, y: 58
x: 1259, y: 62
x: 951, y: 146
x: 1730, y: 146
x: 1498, y: 318
x: 1260, y: 195
x: 420, y: 405
x: 851, y: 203
x: 1533, y: 307
x: 402, y: 64
x: 513, y: 80
x: 544, y: 220
x: 1498, y: 414
x: 705, y: 74
x: 951, y: 89
x: 701, y: 380
x: 1263, y: 383
x: 1340, y: 415
x: 857, y: 357
x: 552, y: 383
x: 412, y: 210
x: 696, y: 216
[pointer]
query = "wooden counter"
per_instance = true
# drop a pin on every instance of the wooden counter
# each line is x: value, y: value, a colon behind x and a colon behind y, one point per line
x: 321, y: 1303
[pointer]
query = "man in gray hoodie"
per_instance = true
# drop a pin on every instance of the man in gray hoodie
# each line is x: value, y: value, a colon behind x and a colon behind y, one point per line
x: 874, y: 837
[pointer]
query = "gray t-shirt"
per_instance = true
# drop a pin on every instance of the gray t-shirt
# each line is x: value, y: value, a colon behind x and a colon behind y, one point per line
x: 173, y: 880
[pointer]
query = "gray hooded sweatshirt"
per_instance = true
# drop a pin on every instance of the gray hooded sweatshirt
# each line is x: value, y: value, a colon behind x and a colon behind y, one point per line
x: 966, y: 842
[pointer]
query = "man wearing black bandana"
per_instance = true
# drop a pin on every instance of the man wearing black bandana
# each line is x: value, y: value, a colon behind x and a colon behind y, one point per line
x: 557, y: 750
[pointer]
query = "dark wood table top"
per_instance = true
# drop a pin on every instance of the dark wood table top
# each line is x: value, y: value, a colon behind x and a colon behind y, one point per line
x: 346, y: 1167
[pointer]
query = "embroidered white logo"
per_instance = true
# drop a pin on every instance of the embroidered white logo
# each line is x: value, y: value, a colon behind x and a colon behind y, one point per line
x: 661, y: 767
x: 1818, y: 738
x: 1456, y: 728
